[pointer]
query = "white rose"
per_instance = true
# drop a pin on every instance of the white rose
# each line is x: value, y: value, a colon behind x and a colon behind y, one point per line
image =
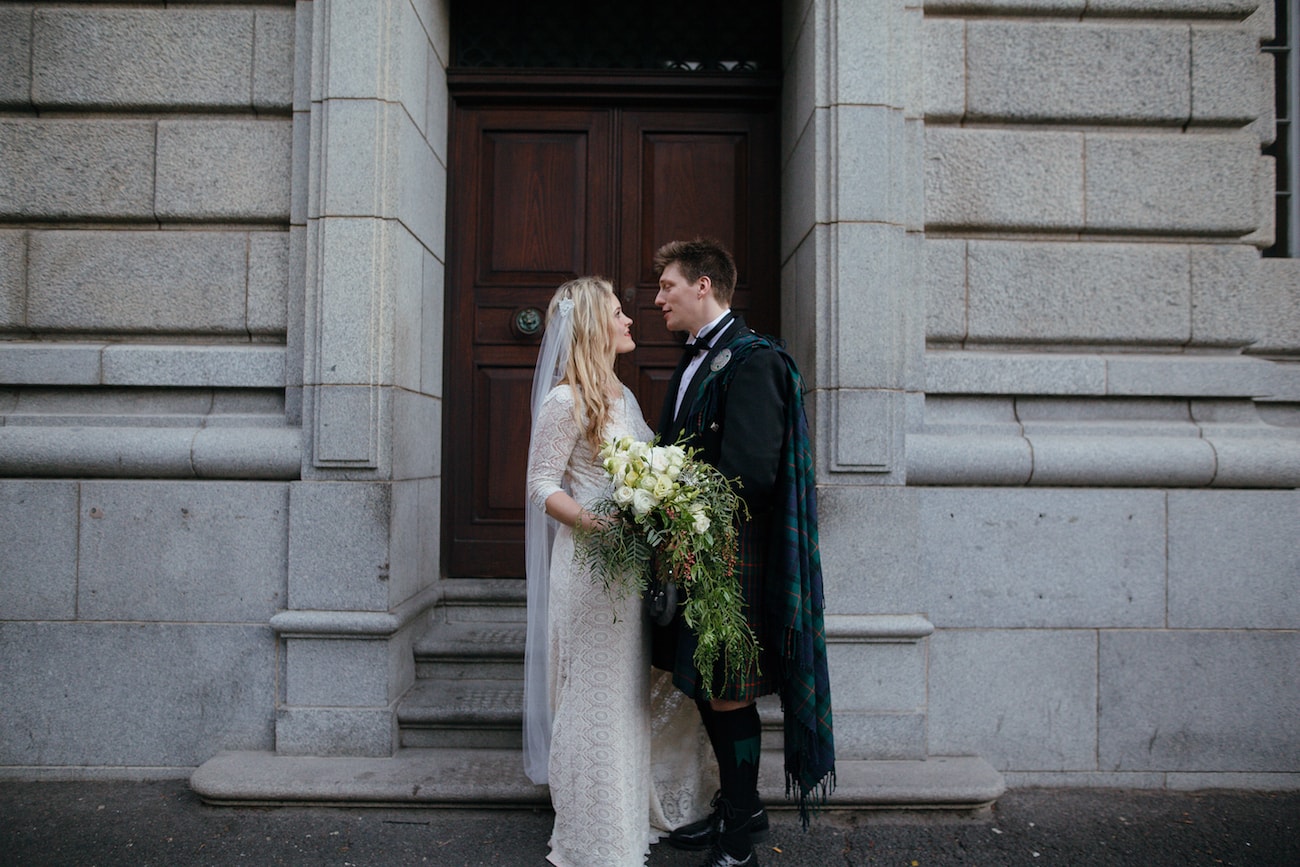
x: 663, y: 487
x: 647, y: 482
x: 700, y: 521
x: 659, y: 459
x: 642, y: 502
x: 623, y: 496
x: 676, y: 456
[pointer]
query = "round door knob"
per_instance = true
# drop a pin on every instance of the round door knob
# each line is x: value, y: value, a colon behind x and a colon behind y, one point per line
x: 528, y: 321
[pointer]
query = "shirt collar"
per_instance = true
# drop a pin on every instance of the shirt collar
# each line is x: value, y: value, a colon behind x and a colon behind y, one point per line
x: 709, y: 328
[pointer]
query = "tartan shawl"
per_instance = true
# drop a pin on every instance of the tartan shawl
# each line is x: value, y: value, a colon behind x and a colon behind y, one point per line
x: 794, y: 600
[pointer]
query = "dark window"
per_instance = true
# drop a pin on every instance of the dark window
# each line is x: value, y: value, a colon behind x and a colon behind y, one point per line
x: 679, y: 35
x: 1285, y: 49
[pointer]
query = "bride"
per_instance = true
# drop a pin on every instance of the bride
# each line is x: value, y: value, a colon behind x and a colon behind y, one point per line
x: 592, y: 707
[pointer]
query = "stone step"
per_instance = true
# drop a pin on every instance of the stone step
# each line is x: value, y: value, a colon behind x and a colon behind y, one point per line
x: 495, y: 778
x: 475, y: 650
x: 462, y: 713
x: 484, y: 599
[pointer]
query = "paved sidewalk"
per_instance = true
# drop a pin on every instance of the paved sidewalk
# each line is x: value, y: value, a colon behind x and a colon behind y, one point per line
x: 106, y: 824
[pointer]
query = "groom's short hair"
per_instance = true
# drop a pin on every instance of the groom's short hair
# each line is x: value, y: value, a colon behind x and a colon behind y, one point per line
x: 702, y: 257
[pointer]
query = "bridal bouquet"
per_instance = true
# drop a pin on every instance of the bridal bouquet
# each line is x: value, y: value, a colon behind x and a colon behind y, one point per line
x: 671, y: 512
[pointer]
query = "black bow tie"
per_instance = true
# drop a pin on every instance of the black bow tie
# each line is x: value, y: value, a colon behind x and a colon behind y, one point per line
x: 690, y: 350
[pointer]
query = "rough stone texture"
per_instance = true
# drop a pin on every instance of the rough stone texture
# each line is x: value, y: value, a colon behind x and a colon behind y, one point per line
x: 1021, y: 699
x: 1207, y: 8
x: 30, y: 363
x: 1026, y: 180
x: 212, y: 551
x: 879, y: 332
x: 432, y: 306
x: 15, y: 55
x: 875, y: 736
x: 273, y: 57
x: 1141, y: 183
x: 1052, y: 558
x: 1193, y: 376
x: 336, y: 673
x: 268, y: 283
x: 67, y: 169
x: 1054, y: 7
x: 348, y: 422
x: 133, y: 693
x: 1141, y: 459
x: 137, y: 281
x: 331, y: 731
x: 868, y: 429
x: 353, y: 130
x: 1033, y: 71
x: 874, y: 64
x: 13, y: 278
x: 194, y: 366
x: 1224, y: 298
x: 1190, y: 700
x: 945, y: 68
x: 878, y: 677
x: 877, y: 160
x: 417, y: 419
x: 38, y: 571
x: 991, y: 372
x: 945, y: 290
x: 339, y: 546
x: 1077, y: 292
x: 968, y: 460
x: 870, y: 539
x: 1224, y: 75
x: 224, y: 169
x: 143, y: 58
x: 1279, y: 306
x: 405, y: 261
x: 1233, y: 559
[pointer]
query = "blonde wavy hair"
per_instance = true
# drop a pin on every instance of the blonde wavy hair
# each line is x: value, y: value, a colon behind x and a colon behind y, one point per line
x: 590, y: 369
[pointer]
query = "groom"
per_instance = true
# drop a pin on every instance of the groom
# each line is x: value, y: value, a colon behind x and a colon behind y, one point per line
x: 737, y: 397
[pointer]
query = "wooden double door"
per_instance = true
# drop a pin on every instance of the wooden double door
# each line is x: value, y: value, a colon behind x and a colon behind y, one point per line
x: 543, y: 192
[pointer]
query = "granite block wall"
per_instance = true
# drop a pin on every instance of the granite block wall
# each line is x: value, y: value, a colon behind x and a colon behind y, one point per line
x: 134, y: 622
x: 146, y: 440
x: 1105, y: 349
x: 1132, y: 638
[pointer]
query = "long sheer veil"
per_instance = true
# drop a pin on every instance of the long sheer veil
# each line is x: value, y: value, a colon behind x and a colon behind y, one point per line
x: 539, y: 537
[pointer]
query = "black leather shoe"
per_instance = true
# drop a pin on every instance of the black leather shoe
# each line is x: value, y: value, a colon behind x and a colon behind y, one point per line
x: 700, y: 835
x: 719, y: 858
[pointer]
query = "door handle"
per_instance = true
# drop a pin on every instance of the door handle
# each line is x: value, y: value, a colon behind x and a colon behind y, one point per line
x: 527, y: 321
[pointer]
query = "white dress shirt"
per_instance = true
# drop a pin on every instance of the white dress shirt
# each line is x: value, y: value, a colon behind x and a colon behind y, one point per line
x: 689, y: 373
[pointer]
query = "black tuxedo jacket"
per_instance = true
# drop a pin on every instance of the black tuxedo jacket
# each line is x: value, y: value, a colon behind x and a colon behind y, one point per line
x: 743, y: 439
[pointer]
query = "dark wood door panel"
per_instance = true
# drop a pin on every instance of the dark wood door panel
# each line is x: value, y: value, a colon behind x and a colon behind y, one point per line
x: 688, y: 174
x: 541, y: 195
x: 531, y: 207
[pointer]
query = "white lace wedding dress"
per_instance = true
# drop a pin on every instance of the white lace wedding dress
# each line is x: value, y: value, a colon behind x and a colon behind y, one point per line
x: 628, y: 753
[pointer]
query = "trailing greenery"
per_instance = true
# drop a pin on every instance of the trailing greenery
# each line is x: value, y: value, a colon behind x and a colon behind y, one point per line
x: 671, y: 512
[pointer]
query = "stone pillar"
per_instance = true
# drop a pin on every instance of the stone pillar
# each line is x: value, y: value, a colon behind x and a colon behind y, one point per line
x: 852, y: 301
x: 370, y: 136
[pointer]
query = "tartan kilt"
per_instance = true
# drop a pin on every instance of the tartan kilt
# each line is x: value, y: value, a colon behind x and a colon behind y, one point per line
x: 673, y: 646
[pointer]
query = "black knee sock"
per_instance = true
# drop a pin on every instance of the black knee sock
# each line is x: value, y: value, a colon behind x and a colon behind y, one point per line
x: 722, y: 751
x: 739, y: 741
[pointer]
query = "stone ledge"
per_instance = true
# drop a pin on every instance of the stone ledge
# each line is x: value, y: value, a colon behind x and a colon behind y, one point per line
x: 125, y: 364
x: 495, y: 778
x: 1104, y: 461
x: 353, y: 624
x: 152, y: 452
x: 1110, y: 374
